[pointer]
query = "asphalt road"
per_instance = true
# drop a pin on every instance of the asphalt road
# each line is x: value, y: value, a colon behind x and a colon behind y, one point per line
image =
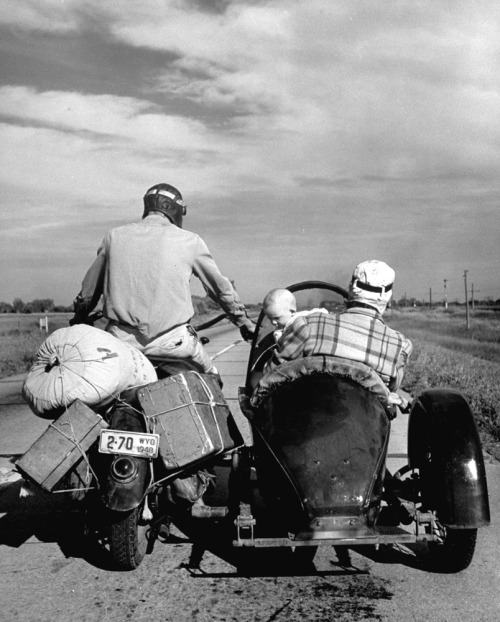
x: 45, y: 574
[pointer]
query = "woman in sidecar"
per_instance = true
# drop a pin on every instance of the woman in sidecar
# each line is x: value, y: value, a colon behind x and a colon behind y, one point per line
x: 321, y: 427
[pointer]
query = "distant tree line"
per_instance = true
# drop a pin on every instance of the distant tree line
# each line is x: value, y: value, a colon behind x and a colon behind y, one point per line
x: 202, y: 306
x: 414, y: 302
x: 39, y: 305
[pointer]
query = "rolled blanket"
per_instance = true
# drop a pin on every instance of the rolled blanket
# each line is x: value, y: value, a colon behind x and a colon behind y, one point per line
x: 85, y: 363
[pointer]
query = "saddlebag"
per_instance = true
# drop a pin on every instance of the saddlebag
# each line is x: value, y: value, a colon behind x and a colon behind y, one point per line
x: 62, y: 446
x: 191, y: 415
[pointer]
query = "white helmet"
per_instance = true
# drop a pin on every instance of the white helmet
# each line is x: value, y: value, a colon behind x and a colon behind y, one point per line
x: 371, y: 284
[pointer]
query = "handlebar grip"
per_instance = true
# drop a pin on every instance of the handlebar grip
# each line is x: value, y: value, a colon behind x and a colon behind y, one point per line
x: 86, y: 319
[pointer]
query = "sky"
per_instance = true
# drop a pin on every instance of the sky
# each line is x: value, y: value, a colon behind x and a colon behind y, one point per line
x: 305, y: 136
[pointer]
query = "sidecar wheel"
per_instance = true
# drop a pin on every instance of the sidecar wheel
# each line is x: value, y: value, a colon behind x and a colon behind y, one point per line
x: 128, y: 540
x: 454, y: 551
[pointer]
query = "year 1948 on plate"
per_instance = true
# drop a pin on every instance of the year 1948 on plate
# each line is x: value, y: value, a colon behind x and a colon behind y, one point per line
x: 129, y: 443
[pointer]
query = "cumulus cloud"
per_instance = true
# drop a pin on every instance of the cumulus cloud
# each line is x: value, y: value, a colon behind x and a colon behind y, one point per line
x: 49, y: 15
x: 102, y: 115
x: 310, y: 88
x: 339, y: 91
x: 333, y: 113
x: 82, y: 145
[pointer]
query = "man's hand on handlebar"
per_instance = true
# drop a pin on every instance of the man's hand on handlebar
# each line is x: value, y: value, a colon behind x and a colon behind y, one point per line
x: 76, y: 319
x: 79, y: 318
x: 247, y: 331
x: 83, y: 312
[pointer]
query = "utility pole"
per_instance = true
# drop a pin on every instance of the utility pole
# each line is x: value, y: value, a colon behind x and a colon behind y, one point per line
x: 472, y: 295
x: 445, y: 295
x: 466, y: 302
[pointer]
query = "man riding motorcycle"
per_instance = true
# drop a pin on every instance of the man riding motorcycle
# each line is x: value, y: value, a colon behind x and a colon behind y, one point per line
x: 142, y: 271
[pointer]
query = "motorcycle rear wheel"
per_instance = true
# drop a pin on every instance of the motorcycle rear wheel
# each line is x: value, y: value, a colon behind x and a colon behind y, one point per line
x: 128, y: 540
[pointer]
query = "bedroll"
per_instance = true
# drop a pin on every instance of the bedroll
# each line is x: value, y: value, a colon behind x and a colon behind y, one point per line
x: 85, y: 363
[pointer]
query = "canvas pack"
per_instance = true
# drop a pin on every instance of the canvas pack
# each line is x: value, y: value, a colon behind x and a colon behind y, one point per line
x: 191, y: 414
x: 62, y: 446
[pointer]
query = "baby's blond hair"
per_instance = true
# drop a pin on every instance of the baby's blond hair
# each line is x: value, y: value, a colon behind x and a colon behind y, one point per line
x: 280, y: 296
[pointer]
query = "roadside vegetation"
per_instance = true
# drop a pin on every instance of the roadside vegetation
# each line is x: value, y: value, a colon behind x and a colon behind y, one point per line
x: 446, y: 354
x: 20, y: 338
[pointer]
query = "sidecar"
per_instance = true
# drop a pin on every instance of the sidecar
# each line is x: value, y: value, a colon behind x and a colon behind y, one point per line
x: 321, y: 428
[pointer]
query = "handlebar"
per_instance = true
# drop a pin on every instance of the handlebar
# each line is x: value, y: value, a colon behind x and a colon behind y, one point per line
x: 210, y: 323
x: 89, y: 319
x: 93, y: 317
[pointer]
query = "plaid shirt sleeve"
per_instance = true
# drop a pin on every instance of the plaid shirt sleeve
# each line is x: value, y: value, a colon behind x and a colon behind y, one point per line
x: 291, y: 343
x: 405, y: 354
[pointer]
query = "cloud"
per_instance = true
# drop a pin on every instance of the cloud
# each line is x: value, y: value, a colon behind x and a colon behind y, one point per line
x: 81, y: 145
x: 315, y: 130
x: 106, y: 115
x: 50, y: 15
x: 335, y: 91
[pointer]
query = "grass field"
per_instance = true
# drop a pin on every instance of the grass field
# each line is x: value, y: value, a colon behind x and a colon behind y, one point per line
x: 445, y: 355
x: 20, y: 337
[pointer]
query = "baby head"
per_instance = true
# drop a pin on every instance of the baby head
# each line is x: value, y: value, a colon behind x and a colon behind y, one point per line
x: 279, y: 306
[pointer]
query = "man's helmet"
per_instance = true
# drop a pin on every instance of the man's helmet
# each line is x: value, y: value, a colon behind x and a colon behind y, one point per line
x: 371, y: 284
x: 167, y: 200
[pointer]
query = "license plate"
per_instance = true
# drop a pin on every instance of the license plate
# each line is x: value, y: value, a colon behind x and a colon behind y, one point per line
x: 129, y: 443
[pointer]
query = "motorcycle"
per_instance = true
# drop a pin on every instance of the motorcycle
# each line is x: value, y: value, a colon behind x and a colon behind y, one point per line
x: 127, y: 494
x: 315, y: 474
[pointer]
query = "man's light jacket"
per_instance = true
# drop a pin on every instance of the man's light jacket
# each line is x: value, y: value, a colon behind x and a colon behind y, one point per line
x: 143, y: 271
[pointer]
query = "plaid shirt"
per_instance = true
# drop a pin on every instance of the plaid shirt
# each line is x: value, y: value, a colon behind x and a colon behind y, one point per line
x: 357, y: 334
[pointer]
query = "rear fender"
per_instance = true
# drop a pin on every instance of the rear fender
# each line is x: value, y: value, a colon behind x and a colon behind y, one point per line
x: 443, y: 443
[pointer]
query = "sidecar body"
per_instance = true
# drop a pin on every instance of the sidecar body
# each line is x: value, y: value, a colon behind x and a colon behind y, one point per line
x: 321, y: 429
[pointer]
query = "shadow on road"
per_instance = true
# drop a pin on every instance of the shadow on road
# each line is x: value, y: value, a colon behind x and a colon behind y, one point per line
x: 216, y: 538
x: 38, y: 515
x: 409, y: 555
x: 52, y: 518
x: 47, y: 518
